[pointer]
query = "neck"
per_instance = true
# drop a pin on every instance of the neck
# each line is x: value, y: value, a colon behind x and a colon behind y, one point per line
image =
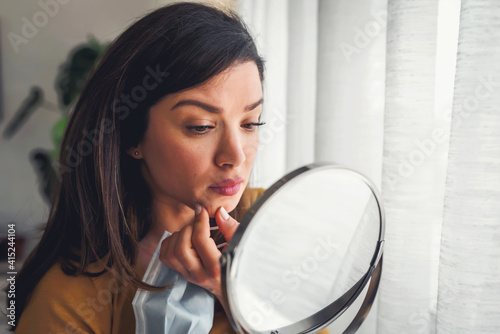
x: 168, y: 215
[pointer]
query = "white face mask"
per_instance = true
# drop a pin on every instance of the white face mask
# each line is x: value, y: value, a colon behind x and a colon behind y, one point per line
x: 184, y: 308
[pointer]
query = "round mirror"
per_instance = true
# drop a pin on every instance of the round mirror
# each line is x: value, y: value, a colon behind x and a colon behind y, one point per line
x: 304, y: 252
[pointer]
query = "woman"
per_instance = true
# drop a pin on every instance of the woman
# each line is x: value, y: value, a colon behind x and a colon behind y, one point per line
x: 163, y: 137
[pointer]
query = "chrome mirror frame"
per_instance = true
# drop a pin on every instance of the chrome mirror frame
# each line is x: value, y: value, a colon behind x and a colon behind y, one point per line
x: 330, y: 313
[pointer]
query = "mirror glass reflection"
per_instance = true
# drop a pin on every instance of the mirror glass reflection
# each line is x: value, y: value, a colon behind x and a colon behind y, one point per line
x: 305, y: 247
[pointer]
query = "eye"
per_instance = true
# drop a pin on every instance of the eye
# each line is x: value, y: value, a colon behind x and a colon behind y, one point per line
x: 252, y: 126
x: 199, y: 129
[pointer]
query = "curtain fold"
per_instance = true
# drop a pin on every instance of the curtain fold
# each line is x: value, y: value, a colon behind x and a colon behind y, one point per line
x: 301, y: 85
x: 469, y: 271
x: 412, y: 182
x: 350, y: 93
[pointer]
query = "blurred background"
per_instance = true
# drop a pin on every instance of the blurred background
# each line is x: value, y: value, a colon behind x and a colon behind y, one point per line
x: 406, y: 92
x: 38, y: 42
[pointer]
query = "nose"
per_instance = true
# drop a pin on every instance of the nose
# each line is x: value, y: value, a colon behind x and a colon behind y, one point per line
x: 230, y: 152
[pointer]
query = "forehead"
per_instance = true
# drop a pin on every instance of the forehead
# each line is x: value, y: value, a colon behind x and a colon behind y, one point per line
x: 236, y: 86
x: 238, y: 79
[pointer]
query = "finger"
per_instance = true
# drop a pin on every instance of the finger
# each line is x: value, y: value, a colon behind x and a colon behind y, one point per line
x: 204, y: 245
x: 167, y: 255
x: 227, y: 224
x: 167, y: 251
x: 186, y: 254
x: 165, y: 245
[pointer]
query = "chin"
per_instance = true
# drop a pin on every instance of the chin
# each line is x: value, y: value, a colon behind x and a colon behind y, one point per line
x: 232, y: 203
x: 229, y: 203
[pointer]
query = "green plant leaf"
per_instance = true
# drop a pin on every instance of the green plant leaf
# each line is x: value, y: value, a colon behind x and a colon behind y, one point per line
x: 56, y: 134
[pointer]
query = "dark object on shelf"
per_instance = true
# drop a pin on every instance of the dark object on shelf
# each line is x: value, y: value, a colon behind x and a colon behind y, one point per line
x: 28, y: 107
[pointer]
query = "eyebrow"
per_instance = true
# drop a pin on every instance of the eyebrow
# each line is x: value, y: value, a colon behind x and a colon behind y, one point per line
x: 210, y: 108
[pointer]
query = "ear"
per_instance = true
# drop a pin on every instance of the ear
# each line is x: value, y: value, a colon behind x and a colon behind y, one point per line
x: 135, y: 152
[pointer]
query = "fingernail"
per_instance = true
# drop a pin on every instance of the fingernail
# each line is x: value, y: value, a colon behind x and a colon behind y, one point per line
x: 224, y: 213
x: 197, y: 209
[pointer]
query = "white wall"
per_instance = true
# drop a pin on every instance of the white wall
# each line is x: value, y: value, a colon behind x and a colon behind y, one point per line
x: 36, y: 63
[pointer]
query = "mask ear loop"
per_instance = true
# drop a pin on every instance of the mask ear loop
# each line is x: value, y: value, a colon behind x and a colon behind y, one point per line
x: 214, y: 227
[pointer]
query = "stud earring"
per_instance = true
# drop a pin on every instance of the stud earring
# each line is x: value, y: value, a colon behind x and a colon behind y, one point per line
x: 136, y: 153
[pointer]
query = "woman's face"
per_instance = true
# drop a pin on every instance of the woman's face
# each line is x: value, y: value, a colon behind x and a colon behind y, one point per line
x: 201, y: 137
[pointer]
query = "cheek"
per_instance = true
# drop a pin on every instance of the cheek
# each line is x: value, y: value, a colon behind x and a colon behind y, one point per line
x: 191, y: 159
x: 173, y: 161
x: 251, y: 148
x: 183, y: 160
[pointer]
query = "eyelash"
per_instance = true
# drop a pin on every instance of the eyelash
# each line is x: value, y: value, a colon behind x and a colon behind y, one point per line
x: 195, y: 128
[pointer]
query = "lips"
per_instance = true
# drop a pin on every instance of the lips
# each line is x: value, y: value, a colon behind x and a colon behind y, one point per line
x: 227, y: 187
x: 227, y: 183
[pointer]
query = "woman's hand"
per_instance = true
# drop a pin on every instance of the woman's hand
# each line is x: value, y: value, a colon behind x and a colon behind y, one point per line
x: 194, y: 254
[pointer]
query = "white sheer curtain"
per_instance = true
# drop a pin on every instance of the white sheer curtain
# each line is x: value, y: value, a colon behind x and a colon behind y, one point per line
x: 372, y: 85
x: 413, y: 176
x: 318, y: 98
x: 469, y: 271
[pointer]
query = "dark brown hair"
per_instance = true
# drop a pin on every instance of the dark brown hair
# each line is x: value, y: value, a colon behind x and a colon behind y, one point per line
x: 101, y: 208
